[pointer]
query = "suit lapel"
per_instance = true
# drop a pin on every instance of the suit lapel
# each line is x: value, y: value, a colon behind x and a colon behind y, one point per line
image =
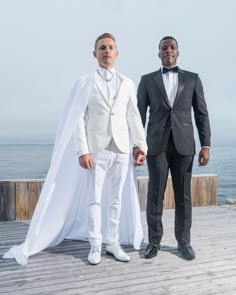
x: 159, y: 80
x: 122, y: 91
x: 181, y: 83
x: 100, y: 89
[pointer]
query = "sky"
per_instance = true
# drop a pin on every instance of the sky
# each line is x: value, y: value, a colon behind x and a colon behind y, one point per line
x: 46, y: 45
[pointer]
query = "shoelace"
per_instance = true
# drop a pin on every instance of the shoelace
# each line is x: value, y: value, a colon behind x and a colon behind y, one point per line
x: 95, y: 249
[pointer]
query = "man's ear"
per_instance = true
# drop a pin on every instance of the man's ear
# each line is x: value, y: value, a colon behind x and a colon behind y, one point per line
x: 178, y: 53
x: 94, y: 54
x: 159, y: 54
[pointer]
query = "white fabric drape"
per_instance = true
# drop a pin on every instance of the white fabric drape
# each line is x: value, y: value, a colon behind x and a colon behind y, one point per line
x: 61, y: 211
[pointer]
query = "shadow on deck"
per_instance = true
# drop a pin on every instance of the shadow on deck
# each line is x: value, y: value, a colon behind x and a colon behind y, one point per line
x: 64, y: 269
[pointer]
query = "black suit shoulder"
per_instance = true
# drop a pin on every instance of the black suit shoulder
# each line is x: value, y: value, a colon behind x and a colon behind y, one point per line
x: 150, y: 75
x: 188, y: 73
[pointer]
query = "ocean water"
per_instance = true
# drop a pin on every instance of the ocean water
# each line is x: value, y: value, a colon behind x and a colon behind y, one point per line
x: 32, y: 162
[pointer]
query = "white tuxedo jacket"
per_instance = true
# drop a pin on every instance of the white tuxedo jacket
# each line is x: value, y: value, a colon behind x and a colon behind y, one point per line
x: 100, y: 122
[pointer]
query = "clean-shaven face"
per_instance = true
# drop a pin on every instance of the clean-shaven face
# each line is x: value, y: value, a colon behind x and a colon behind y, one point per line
x: 106, y: 53
x: 168, y: 53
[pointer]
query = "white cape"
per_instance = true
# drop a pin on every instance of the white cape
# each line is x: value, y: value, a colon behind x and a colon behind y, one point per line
x: 61, y: 211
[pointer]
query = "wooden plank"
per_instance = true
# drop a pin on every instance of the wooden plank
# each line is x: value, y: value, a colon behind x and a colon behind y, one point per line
x: 63, y: 270
x: 34, y: 190
x: 7, y: 201
x: 22, y: 209
x: 196, y: 184
x: 205, y: 191
x: 41, y: 185
x: 214, y: 186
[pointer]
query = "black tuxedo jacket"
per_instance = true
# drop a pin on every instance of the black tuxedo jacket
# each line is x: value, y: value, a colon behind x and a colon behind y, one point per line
x: 163, y: 118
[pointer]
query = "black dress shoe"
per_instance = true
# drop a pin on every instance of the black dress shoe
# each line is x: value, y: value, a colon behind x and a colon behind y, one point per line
x: 187, y: 252
x: 151, y: 250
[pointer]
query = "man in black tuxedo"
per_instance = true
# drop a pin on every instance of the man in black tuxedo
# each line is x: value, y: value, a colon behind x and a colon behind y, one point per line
x: 171, y: 93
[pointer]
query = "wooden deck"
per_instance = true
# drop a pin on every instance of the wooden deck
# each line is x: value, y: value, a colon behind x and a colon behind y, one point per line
x: 64, y: 270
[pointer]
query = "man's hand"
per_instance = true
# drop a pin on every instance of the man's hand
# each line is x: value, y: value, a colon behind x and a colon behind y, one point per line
x: 86, y: 161
x: 204, y: 156
x: 136, y: 151
x: 139, y: 157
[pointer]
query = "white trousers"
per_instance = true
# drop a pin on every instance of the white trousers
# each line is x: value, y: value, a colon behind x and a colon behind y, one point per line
x: 107, y: 163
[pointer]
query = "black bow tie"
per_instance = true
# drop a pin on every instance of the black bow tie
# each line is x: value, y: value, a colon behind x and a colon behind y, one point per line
x: 166, y: 70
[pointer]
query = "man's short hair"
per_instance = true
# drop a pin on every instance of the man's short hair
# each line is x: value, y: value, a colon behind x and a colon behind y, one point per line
x: 103, y: 36
x: 166, y: 38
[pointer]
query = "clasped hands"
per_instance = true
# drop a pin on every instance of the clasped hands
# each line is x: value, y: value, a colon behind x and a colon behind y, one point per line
x: 86, y: 161
x: 139, y: 157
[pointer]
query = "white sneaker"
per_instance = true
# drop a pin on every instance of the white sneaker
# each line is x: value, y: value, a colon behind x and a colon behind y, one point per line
x: 94, y: 256
x: 116, y: 251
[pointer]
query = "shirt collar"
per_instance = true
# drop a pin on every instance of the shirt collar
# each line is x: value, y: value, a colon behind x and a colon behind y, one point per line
x: 102, y: 71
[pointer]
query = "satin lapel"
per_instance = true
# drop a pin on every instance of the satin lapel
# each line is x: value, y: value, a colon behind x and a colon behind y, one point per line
x: 100, y: 89
x: 181, y: 83
x: 121, y: 90
x: 158, y: 79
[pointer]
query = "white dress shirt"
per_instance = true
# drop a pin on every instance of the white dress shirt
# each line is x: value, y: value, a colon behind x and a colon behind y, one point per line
x: 170, y: 80
x: 110, y: 82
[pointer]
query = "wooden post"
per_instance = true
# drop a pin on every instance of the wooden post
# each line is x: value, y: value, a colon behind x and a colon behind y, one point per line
x: 34, y: 190
x: 22, y: 209
x: 7, y: 201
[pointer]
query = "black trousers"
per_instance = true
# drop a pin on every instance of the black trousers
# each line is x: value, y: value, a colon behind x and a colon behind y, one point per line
x: 181, y: 173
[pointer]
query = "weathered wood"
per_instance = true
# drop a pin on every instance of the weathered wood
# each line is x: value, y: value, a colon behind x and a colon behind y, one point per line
x: 34, y: 190
x: 22, y: 209
x: 203, y: 189
x: 64, y: 270
x: 204, y: 193
x: 213, y: 187
x: 7, y: 201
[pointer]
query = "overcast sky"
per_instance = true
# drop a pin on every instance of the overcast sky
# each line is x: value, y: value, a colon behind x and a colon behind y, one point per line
x: 47, y: 44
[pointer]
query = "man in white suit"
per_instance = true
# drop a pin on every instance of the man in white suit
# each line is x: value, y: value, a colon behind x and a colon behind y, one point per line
x: 101, y: 113
x: 106, y: 131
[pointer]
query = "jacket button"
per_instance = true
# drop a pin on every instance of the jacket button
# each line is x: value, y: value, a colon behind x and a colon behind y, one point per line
x: 112, y: 114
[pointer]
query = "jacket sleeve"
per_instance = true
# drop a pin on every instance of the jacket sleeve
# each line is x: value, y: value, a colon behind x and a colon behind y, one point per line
x: 201, y: 114
x: 143, y: 100
x: 135, y: 122
x: 81, y: 136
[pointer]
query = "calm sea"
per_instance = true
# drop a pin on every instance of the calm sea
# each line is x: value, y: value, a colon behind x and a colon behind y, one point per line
x: 32, y: 162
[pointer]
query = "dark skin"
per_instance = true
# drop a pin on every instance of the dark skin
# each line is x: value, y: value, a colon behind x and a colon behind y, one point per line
x: 139, y: 157
x: 169, y: 54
